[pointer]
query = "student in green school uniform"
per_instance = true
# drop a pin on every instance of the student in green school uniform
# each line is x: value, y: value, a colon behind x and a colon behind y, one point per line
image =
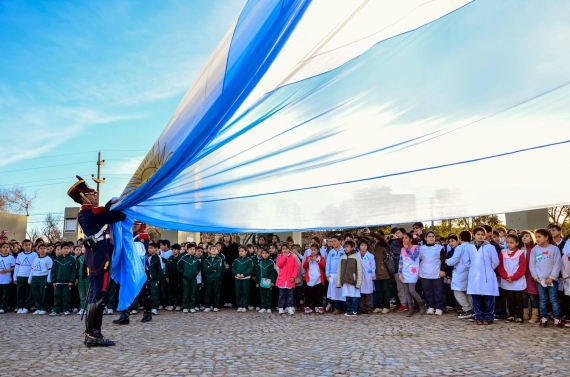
x: 242, y: 269
x: 82, y: 281
x: 254, y: 298
x: 173, y: 279
x: 63, y: 277
x: 39, y: 279
x: 200, y: 279
x: 266, y: 276
x: 155, y: 273
x: 214, y: 268
x: 189, y: 267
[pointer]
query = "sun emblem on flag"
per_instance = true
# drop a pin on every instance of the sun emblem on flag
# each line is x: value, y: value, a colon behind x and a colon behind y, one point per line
x: 155, y: 158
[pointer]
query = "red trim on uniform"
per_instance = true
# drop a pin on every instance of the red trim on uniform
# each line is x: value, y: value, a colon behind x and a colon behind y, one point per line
x: 105, y: 281
x: 95, y: 210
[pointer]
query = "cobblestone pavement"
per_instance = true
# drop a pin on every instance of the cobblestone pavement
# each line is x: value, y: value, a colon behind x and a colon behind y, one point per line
x: 253, y: 344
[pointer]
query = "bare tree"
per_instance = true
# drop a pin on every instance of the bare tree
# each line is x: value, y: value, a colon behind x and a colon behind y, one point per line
x: 559, y: 215
x: 53, y: 228
x: 15, y: 199
x: 34, y: 234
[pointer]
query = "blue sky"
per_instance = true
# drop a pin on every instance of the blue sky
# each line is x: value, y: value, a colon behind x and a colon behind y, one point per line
x: 78, y: 77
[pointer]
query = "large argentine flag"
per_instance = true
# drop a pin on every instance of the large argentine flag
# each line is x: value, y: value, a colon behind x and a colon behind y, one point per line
x: 335, y: 113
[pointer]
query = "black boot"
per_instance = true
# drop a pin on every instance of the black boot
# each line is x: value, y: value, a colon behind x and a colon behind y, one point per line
x: 147, y: 316
x: 123, y: 319
x: 93, y: 321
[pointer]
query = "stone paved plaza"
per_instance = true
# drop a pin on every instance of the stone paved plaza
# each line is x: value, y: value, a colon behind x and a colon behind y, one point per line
x: 252, y: 344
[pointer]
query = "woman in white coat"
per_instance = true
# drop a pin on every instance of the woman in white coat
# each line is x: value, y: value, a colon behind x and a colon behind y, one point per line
x: 482, y: 282
x: 366, y: 302
x: 459, y: 277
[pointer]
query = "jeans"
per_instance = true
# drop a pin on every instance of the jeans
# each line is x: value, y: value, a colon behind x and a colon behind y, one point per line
x: 286, y: 298
x: 501, y: 304
x: 487, y: 314
x: 352, y: 304
x: 338, y: 305
x: 545, y: 294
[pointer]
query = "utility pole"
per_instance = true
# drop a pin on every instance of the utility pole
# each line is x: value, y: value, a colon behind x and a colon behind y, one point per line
x: 99, y: 180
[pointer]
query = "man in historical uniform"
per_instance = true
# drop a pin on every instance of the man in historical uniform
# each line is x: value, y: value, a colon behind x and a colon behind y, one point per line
x: 95, y: 222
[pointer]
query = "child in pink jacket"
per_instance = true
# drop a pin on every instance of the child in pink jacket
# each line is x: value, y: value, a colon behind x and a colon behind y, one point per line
x: 288, y: 271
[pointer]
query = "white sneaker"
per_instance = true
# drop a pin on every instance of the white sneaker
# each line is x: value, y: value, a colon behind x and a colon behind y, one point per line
x: 250, y: 307
x: 281, y: 311
x: 263, y: 311
x: 192, y: 310
x: 438, y: 312
x: 185, y: 311
x: 245, y: 309
x: 43, y: 312
x: 66, y: 313
x: 239, y: 310
x: 216, y: 310
x: 52, y: 314
x: 328, y: 308
x: 81, y: 312
x: 269, y: 311
x: 134, y: 312
x: 257, y: 308
x: 36, y: 312
x: 154, y: 311
x: 178, y: 308
x: 206, y: 310
x: 202, y: 308
x: 19, y: 311
x: 24, y: 311
x: 226, y: 305
x: 2, y: 311
x: 75, y: 310
x: 291, y: 311
x: 430, y: 311
x: 109, y: 311
x: 169, y: 308
x: 160, y: 307
x: 230, y: 305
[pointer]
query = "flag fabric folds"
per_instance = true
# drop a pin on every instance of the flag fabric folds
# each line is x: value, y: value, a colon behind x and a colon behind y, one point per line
x: 331, y: 114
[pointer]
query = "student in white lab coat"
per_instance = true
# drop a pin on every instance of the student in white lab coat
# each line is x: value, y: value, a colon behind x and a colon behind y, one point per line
x: 482, y: 282
x: 432, y: 272
x: 460, y: 262
x: 366, y: 302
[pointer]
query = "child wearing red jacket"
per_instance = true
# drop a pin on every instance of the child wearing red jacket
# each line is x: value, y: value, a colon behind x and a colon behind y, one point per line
x: 314, y: 266
x: 288, y: 271
x: 512, y: 269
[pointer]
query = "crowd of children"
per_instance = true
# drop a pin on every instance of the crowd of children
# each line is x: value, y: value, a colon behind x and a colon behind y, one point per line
x: 484, y: 275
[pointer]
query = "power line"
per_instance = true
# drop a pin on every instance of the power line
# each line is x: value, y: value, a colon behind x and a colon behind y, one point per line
x: 72, y: 154
x: 57, y: 179
x: 45, y: 167
x: 40, y: 180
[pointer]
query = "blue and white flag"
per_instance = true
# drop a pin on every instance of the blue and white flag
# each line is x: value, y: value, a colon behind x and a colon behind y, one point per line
x: 332, y: 114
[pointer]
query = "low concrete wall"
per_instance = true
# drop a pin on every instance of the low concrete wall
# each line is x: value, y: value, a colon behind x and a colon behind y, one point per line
x: 15, y: 225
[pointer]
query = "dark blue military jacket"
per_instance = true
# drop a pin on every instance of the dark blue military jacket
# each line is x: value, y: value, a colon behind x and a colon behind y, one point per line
x: 92, y: 219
